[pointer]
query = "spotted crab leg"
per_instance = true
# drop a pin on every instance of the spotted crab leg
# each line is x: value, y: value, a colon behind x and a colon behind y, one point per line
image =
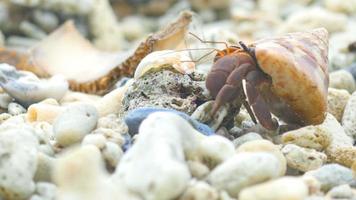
x: 232, y: 88
x: 261, y: 111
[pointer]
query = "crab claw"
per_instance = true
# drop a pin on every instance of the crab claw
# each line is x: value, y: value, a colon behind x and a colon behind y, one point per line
x: 255, y: 79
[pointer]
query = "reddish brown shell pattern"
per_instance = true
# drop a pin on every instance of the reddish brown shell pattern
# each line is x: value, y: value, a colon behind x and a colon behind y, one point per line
x: 298, y: 66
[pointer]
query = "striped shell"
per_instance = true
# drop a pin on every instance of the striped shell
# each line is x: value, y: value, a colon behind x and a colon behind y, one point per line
x: 298, y: 66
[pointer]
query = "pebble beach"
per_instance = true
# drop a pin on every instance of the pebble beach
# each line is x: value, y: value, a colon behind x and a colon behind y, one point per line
x: 177, y: 100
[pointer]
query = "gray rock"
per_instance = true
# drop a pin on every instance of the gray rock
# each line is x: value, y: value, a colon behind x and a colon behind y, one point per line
x: 332, y: 175
x: 48, y: 21
x: 31, y: 30
x: 15, y: 109
x: 165, y: 88
x: 18, y: 161
x: 74, y: 123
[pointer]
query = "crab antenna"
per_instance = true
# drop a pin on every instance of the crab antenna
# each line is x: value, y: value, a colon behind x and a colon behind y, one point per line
x: 203, y: 56
x: 207, y: 41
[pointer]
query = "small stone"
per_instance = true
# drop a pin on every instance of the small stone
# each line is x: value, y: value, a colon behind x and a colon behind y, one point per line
x: 199, y: 190
x: 303, y: 159
x: 112, y: 154
x: 45, y: 165
x: 319, y: 137
x: 31, y: 30
x: 198, y: 169
x: 337, y: 100
x: 5, y: 100
x: 214, y: 150
x: 332, y: 175
x: 246, y: 138
x: 286, y: 188
x: 342, y: 79
x: 266, y: 147
x: 349, y: 117
x: 341, y: 192
x: 329, y: 136
x: 134, y: 118
x: 48, y: 21
x: 18, y: 161
x: 16, y: 109
x: 45, y: 190
x: 354, y: 168
x: 26, y: 88
x: 243, y: 170
x: 74, y: 123
x: 112, y: 135
x: 80, y: 174
x: 340, y: 57
x: 341, y: 6
x: 4, y: 117
x: 97, y: 140
x: 2, y: 40
x: 315, y: 17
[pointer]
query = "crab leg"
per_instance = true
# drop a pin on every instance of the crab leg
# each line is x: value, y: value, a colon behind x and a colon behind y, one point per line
x: 254, y: 79
x: 232, y: 88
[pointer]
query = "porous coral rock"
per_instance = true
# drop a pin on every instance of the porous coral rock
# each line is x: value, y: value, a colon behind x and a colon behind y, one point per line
x: 243, y: 170
x: 164, y: 88
x: 18, y: 158
x: 337, y: 100
x: 303, y: 159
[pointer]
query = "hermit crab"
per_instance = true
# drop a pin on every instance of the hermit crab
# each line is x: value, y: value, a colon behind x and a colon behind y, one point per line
x: 286, y: 76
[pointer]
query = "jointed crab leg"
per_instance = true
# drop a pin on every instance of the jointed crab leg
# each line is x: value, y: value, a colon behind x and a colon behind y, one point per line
x: 254, y: 79
x: 233, y: 86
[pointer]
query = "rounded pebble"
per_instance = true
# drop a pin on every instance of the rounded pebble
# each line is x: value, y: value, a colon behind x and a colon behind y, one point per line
x: 332, y: 175
x: 266, y: 147
x: 246, y: 138
x: 74, y: 123
x: 15, y: 109
x: 341, y: 192
x: 286, y: 188
x: 337, y: 100
x: 199, y: 190
x: 342, y: 79
x: 97, y: 140
x: 243, y: 170
x: 112, y: 154
x: 349, y: 118
x: 303, y: 159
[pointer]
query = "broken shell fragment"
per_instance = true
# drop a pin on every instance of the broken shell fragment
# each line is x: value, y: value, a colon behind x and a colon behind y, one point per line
x: 67, y: 52
x: 27, y: 88
x: 179, y: 60
x: 298, y: 66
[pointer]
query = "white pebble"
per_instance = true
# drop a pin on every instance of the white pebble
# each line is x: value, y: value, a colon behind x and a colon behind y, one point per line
x: 154, y: 167
x: 286, y: 188
x: 18, y: 153
x: 74, y: 123
x: 243, y: 170
x: 112, y: 153
x: 97, y: 140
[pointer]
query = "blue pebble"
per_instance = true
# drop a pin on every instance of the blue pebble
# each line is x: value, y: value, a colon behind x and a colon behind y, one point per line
x: 134, y: 118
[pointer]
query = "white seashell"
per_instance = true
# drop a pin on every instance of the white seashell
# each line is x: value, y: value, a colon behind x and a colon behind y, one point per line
x: 179, y: 61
